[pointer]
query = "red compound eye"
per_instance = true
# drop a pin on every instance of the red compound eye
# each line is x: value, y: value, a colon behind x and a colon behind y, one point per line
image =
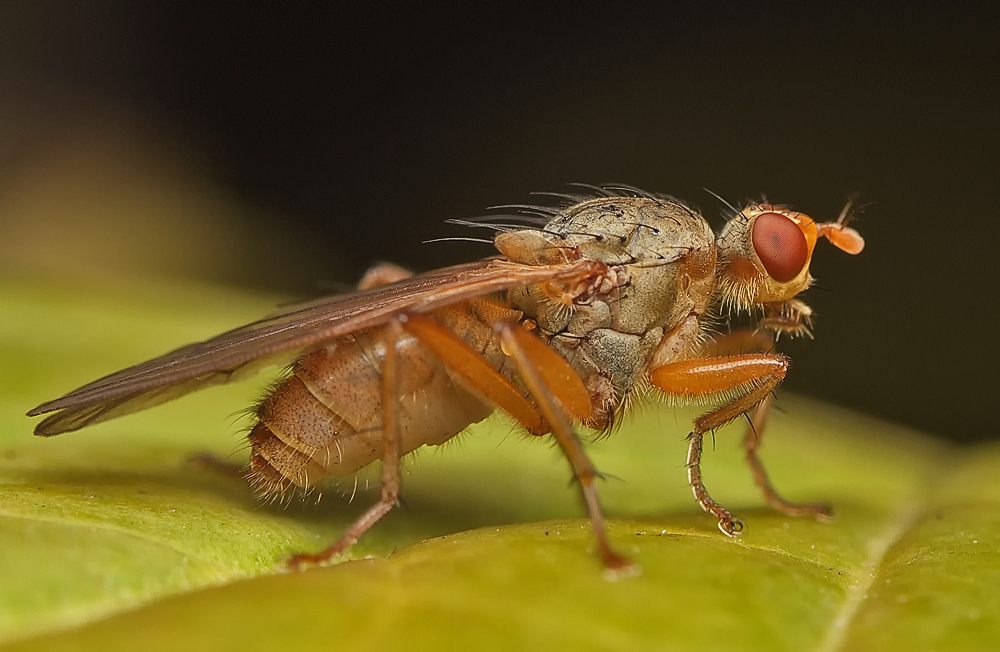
x: 780, y: 245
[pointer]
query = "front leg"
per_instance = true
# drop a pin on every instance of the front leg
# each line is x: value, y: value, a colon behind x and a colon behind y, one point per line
x: 760, y: 340
x: 744, y: 380
x: 792, y: 317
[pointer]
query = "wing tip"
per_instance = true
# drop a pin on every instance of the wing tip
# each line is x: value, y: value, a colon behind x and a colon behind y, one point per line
x: 55, y: 404
x: 36, y: 411
x: 52, y: 425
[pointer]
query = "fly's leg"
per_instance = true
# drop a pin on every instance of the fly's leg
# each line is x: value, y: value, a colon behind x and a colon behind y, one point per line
x: 377, y: 275
x: 556, y: 387
x: 391, y: 480
x: 538, y: 366
x: 746, y: 341
x: 730, y: 525
x: 473, y: 367
x: 210, y: 462
x: 738, y: 342
x: 751, y: 443
x: 750, y: 377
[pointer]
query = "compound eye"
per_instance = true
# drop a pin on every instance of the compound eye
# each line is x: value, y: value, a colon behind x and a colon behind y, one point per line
x: 780, y: 245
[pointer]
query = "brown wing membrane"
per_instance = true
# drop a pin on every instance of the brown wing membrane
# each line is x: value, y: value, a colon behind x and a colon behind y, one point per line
x: 282, y: 336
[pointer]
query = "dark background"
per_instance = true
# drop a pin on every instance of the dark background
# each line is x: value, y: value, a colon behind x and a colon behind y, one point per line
x: 362, y: 128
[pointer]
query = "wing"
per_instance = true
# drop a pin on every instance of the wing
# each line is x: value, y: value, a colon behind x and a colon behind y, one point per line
x: 281, y: 338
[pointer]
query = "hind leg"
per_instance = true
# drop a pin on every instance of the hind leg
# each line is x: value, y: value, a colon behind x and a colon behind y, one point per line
x: 391, y: 455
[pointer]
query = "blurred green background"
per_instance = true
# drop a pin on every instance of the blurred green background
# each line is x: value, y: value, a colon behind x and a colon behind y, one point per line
x: 286, y: 148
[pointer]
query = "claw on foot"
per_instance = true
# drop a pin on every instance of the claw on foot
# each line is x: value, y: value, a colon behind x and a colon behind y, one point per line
x: 731, y: 527
x: 819, y: 511
x: 618, y: 567
x: 823, y: 513
x: 304, y: 561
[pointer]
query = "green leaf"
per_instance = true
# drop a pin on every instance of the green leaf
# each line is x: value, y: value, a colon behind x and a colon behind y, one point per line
x: 113, y: 538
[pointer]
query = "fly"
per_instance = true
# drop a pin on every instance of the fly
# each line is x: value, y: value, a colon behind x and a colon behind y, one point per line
x: 581, y: 310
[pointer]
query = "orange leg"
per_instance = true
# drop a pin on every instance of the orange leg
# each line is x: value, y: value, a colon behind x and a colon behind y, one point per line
x: 751, y: 443
x: 391, y: 481
x: 475, y: 369
x: 746, y: 341
x: 378, y: 275
x: 538, y: 365
x: 556, y: 388
x: 549, y: 378
x: 750, y: 377
x: 738, y: 342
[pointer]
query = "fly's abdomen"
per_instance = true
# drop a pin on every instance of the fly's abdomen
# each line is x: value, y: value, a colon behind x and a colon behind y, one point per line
x: 326, y: 417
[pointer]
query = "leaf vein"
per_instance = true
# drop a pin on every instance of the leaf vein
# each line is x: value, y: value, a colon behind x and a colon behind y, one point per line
x: 864, y: 577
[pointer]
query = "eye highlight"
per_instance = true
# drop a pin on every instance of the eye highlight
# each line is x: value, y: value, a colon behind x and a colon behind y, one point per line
x: 780, y: 245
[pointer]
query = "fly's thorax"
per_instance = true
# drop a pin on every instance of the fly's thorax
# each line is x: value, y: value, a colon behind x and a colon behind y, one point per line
x: 661, y: 255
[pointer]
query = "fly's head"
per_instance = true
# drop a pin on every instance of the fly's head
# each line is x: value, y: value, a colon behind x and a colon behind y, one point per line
x: 763, y: 261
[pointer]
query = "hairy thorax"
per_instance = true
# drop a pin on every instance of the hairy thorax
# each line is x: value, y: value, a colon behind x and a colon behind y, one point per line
x: 663, y: 258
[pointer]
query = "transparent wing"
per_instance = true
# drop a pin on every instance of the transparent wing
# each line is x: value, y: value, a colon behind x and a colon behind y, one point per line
x: 281, y: 337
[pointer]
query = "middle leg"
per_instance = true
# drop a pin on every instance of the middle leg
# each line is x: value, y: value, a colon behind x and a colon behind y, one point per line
x: 761, y: 341
x: 556, y: 388
x: 751, y: 444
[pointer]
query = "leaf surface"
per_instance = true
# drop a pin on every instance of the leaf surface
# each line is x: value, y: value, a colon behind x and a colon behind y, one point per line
x: 113, y: 538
